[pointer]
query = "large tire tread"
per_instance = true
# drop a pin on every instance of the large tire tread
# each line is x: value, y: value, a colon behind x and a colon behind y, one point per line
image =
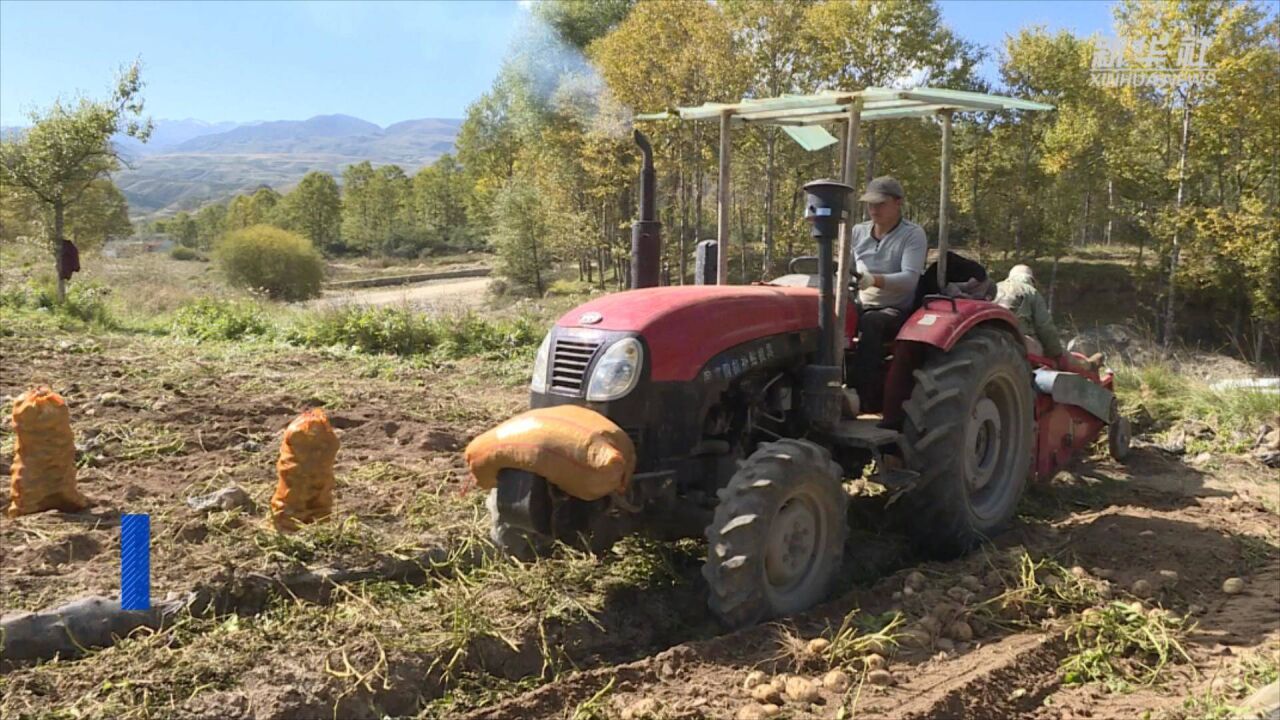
x: 511, y: 541
x: 737, y: 537
x: 937, y: 514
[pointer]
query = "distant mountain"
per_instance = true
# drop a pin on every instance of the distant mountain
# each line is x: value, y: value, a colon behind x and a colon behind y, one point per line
x: 170, y: 174
x: 168, y: 133
x: 282, y: 135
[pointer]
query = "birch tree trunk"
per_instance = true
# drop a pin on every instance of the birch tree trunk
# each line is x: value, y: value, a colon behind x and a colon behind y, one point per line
x: 1169, y: 315
x: 58, y: 210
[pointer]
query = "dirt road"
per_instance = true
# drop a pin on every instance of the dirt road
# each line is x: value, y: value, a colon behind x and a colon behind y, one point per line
x: 464, y: 292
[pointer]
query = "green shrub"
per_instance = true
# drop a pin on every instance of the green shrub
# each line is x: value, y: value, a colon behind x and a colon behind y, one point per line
x: 280, y: 263
x: 403, y: 331
x: 570, y: 287
x: 398, y: 331
x: 180, y: 252
x: 469, y: 334
x: 86, y: 301
x: 18, y: 296
x: 213, y: 319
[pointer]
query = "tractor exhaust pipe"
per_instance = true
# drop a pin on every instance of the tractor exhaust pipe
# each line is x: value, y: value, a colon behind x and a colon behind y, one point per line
x: 646, y: 232
x: 825, y: 210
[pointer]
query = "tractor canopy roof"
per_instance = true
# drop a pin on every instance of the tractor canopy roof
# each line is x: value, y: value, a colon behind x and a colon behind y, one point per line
x: 877, y: 104
x: 801, y: 115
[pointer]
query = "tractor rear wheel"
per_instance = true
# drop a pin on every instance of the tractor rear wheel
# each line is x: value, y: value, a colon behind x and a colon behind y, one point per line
x: 777, y: 539
x: 969, y: 431
x: 1118, y: 433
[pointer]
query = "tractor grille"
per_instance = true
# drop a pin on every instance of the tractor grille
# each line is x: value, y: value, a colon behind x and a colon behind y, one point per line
x: 569, y: 365
x: 635, y: 434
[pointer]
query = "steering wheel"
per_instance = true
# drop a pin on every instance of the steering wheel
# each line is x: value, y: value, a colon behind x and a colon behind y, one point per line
x: 854, y: 275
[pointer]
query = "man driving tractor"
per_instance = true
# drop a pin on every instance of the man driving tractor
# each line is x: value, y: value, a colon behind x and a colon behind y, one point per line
x: 889, y: 252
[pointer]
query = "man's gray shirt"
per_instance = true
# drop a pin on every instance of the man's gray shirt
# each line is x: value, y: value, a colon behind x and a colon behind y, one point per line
x: 899, y: 257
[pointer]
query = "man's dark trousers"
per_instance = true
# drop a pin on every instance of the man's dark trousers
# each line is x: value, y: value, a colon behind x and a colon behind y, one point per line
x: 875, y: 326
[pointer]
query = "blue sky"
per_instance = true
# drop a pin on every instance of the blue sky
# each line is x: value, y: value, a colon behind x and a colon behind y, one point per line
x: 383, y: 62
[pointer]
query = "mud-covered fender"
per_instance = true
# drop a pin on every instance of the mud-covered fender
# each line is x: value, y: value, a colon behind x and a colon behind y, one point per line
x: 942, y: 321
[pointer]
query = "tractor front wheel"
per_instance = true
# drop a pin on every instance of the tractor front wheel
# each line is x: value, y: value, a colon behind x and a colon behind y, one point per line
x: 527, y: 516
x: 513, y: 541
x: 777, y: 539
x: 969, y: 430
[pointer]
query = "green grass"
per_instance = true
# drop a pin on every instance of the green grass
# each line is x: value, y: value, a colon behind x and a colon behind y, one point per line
x: 36, y: 302
x: 405, y: 332
x: 1164, y: 398
x: 372, y: 332
x: 318, y: 540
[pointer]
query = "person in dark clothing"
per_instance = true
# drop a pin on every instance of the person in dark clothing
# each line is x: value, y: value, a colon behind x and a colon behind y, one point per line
x: 965, y: 278
x: 70, y: 259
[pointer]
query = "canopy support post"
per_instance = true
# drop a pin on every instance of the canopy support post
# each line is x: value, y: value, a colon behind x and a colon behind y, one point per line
x: 844, y: 248
x: 722, y: 214
x: 944, y: 201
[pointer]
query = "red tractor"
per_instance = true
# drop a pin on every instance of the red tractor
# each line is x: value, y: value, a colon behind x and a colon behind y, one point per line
x: 736, y: 401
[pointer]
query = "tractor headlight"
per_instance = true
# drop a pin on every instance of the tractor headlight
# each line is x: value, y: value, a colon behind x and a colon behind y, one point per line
x: 617, y: 371
x: 539, y: 382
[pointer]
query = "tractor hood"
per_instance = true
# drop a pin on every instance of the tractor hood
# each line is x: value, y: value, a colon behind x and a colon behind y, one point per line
x: 685, y: 326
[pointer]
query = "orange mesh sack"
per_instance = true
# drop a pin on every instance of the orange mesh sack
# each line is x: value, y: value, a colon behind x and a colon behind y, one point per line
x: 304, y: 490
x: 44, y: 456
x: 576, y: 449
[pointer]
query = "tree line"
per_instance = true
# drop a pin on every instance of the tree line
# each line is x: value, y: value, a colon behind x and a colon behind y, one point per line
x: 1185, y: 174
x: 377, y: 211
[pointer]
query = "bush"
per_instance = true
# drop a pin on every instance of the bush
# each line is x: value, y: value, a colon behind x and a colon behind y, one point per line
x: 402, y: 331
x: 570, y: 287
x: 469, y: 334
x: 86, y: 301
x: 280, y: 263
x: 398, y: 331
x: 212, y: 319
x: 180, y: 252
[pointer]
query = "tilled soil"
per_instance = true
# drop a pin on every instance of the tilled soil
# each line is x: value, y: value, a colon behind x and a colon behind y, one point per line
x: 158, y: 422
x: 1184, y: 543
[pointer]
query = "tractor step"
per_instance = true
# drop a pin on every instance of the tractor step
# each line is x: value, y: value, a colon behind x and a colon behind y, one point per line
x: 864, y: 434
x: 897, y: 478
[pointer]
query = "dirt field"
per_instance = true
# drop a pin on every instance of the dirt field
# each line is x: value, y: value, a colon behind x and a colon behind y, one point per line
x: 158, y: 421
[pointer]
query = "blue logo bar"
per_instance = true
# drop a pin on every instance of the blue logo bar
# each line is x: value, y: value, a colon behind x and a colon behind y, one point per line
x: 135, y: 562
